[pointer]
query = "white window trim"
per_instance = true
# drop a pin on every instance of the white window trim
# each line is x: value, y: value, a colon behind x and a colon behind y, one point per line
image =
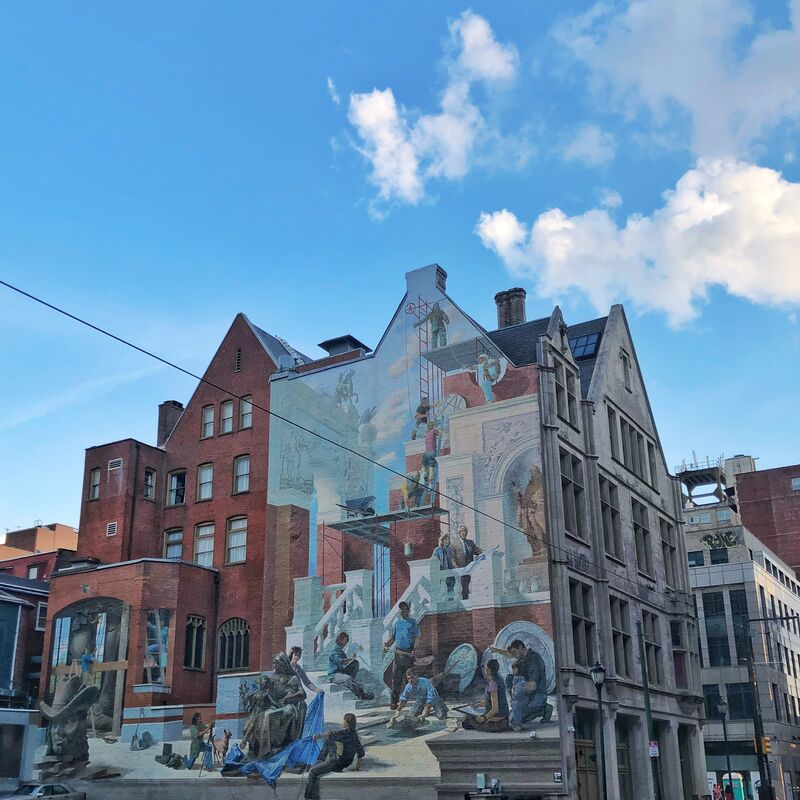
x: 38, y: 611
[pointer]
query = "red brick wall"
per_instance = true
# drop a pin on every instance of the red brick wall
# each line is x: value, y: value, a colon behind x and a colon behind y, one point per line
x: 771, y: 510
x: 18, y: 567
x: 517, y: 381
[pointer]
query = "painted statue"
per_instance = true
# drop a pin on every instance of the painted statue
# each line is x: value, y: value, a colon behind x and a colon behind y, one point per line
x: 67, y: 719
x: 439, y: 321
x: 277, y: 710
x: 487, y: 371
x: 530, y: 511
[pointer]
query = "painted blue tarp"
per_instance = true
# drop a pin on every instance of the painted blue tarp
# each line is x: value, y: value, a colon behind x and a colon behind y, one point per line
x: 303, y: 751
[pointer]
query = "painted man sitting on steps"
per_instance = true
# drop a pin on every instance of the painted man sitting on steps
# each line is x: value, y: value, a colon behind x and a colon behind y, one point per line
x: 343, y: 669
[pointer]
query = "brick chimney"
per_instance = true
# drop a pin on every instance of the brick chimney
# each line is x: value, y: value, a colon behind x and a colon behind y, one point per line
x: 510, y: 307
x: 169, y: 412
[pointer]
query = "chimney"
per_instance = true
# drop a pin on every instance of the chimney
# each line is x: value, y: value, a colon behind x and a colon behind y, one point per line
x: 169, y: 412
x: 510, y: 307
x: 343, y: 344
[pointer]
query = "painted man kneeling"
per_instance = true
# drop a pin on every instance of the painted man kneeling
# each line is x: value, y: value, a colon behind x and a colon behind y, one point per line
x: 425, y: 698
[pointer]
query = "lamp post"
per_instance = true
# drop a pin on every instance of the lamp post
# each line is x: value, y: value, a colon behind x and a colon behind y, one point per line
x: 722, y: 708
x: 598, y: 673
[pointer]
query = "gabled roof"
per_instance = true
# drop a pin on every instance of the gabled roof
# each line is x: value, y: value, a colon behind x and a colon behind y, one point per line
x: 520, y: 342
x: 276, y: 347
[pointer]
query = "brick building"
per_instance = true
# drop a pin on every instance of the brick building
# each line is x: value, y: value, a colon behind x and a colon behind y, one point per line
x: 770, y: 507
x: 37, y: 552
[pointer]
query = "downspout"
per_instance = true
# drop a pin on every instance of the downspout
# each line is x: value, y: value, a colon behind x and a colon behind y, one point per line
x: 133, y: 503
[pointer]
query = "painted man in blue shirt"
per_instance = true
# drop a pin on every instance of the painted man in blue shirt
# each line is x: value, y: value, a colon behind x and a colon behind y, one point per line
x: 343, y: 669
x: 405, y: 632
x: 425, y: 698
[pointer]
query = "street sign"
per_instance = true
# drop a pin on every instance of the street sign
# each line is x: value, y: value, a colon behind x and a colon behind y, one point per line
x: 653, y: 749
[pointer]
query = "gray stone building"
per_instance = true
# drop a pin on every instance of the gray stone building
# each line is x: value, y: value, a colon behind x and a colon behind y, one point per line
x: 736, y: 581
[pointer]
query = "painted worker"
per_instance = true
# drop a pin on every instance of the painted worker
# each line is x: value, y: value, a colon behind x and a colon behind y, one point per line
x: 342, y: 669
x: 404, y: 635
x: 464, y: 552
x: 533, y: 670
x: 341, y: 748
x: 425, y: 698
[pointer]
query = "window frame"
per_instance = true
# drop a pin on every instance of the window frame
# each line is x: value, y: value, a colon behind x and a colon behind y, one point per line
x: 233, y: 629
x: 236, y: 476
x: 642, y: 537
x: 583, y: 622
x: 172, y: 492
x: 203, y: 538
x: 611, y: 519
x: 195, y: 639
x: 246, y: 412
x: 224, y: 418
x: 573, y: 495
x: 205, y: 431
x: 229, y: 532
x: 167, y: 543
x: 149, y: 487
x: 621, y: 635
x: 651, y: 629
x: 43, y: 626
x: 94, y: 486
x: 199, y: 496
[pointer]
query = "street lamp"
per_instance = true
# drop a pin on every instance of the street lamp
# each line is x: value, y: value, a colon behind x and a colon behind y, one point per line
x: 722, y: 708
x: 598, y: 673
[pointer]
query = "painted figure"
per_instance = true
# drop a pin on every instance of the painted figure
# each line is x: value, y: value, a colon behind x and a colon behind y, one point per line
x: 278, y: 710
x: 197, y: 731
x: 342, y: 669
x: 532, y: 669
x: 339, y: 751
x: 294, y: 659
x: 530, y: 512
x: 487, y: 371
x: 464, y: 552
x: 421, y: 416
x: 412, y: 490
x: 345, y: 394
x: 67, y: 720
x: 495, y: 703
x: 444, y: 553
x: 439, y: 322
x: 425, y: 698
x: 405, y: 632
x: 432, y: 436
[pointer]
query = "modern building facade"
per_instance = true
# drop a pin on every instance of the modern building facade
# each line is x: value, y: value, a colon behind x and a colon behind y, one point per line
x: 296, y: 498
x: 748, y: 603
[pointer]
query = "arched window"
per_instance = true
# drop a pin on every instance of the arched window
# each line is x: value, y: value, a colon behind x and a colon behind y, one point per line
x: 234, y: 644
x: 194, y: 652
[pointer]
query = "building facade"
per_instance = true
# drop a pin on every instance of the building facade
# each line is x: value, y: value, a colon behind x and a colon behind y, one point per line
x: 748, y: 603
x: 245, y: 531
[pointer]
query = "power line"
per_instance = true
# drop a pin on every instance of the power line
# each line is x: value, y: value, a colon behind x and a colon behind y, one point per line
x: 584, y: 559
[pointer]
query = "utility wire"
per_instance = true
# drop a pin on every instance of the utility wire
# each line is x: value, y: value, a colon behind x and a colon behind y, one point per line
x: 583, y: 559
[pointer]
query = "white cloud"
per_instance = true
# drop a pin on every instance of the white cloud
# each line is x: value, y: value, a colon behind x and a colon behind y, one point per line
x: 726, y: 223
x: 386, y: 145
x: 392, y: 415
x: 610, y: 198
x: 590, y: 145
x: 736, y: 81
x: 333, y: 92
x: 480, y: 55
x: 407, y: 150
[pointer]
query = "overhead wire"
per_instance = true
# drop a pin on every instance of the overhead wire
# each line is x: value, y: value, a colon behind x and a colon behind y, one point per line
x: 585, y: 560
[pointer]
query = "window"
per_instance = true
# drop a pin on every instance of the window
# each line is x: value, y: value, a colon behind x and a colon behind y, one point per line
x: 207, y: 424
x: 236, y: 540
x: 205, y: 481
x: 234, y: 644
x: 651, y: 458
x: 177, y: 488
x: 61, y: 641
x: 678, y: 654
x: 719, y: 555
x: 609, y: 510
x: 613, y: 433
x: 194, y: 651
x: 246, y: 412
x: 33, y: 572
x: 561, y: 390
x: 237, y: 359
x: 111, y: 529
x: 712, y: 699
x: 584, y: 346
x: 94, y: 484
x: 149, y: 484
x: 719, y: 654
x: 641, y: 535
x: 626, y: 368
x: 669, y: 552
x: 572, y: 398
x: 41, y: 616
x: 226, y: 417
x: 572, y: 494
x: 723, y: 514
x: 776, y: 698
x: 705, y: 517
x: 115, y: 463
x: 652, y: 648
x: 156, y: 645
x: 696, y: 558
x: 173, y: 544
x: 241, y: 474
x: 204, y: 544
x: 740, y: 701
x: 621, y: 635
x: 796, y: 484
x: 583, y: 616
x: 633, y: 450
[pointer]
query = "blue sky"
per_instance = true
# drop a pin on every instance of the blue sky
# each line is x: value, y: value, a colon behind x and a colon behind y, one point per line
x: 166, y: 166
